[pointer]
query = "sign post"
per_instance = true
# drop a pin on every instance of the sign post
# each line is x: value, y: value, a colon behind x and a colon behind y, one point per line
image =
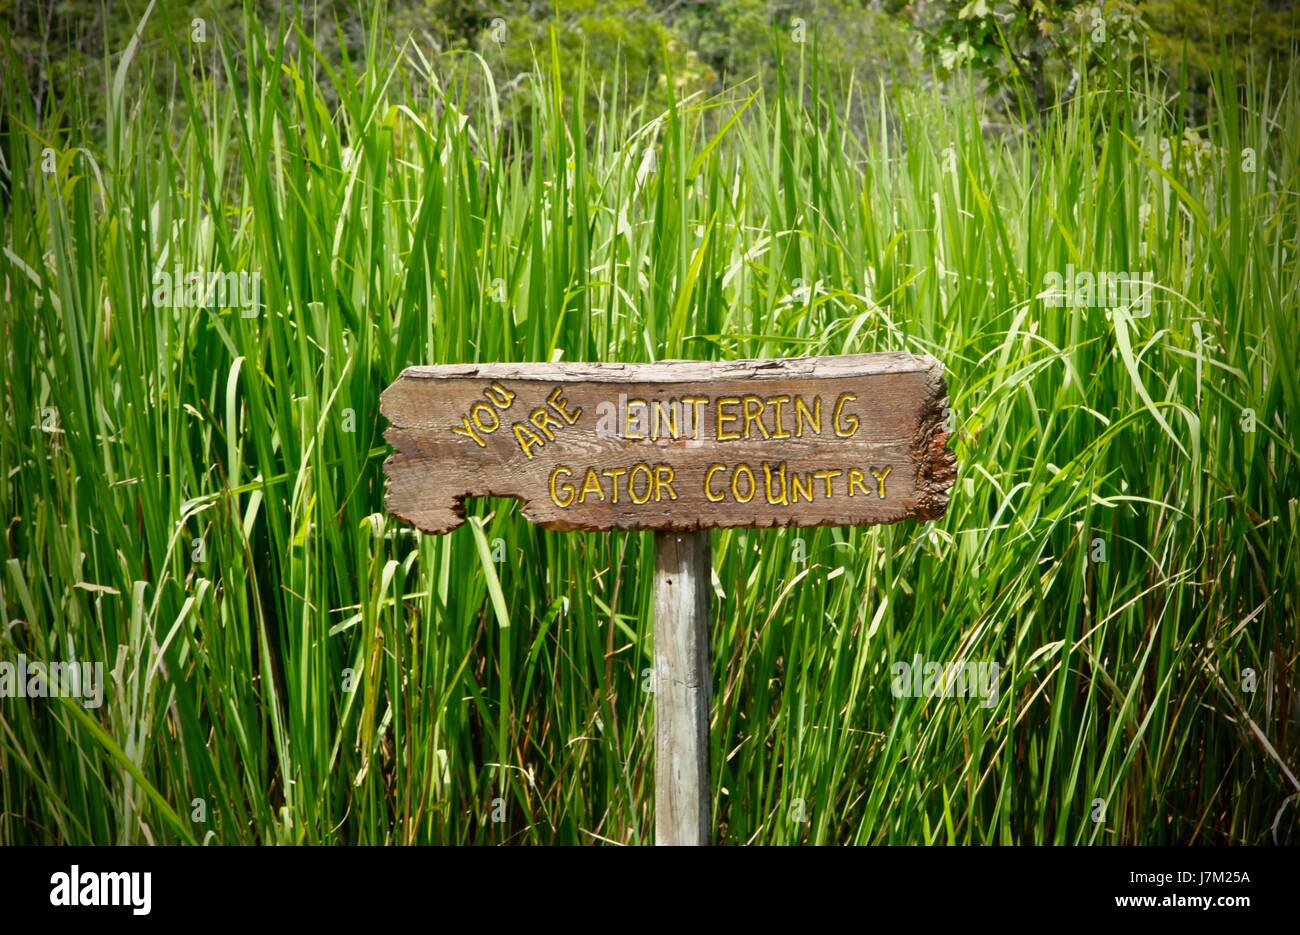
x: 683, y: 791
x: 677, y: 447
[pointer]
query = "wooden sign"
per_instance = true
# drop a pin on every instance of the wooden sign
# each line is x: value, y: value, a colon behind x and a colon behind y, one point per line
x: 677, y: 445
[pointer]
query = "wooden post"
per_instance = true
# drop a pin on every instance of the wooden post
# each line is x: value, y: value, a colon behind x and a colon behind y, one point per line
x: 683, y: 677
x: 697, y: 445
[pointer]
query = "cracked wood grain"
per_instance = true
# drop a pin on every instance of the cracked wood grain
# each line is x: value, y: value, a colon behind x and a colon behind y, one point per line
x: 675, y: 445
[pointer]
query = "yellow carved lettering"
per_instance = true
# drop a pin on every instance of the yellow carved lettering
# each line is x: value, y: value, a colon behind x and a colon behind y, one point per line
x: 627, y: 419
x: 664, y: 475
x: 724, y: 417
x: 697, y: 403
x: 499, y: 395
x: 880, y: 478
x: 568, y: 491
x: 797, y: 487
x: 826, y: 477
x: 541, y: 418
x: 631, y: 483
x: 560, y: 405
x: 468, y: 432
x: 527, y: 438
x: 754, y: 415
x: 591, y: 484
x: 708, y: 477
x: 768, y: 474
x: 775, y: 402
x: 851, y: 422
x: 735, y: 489
x: 801, y: 413
x: 614, y: 474
x: 476, y: 414
x: 664, y: 411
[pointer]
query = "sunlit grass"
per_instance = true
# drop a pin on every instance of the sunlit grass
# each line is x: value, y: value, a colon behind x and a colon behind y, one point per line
x: 314, y: 672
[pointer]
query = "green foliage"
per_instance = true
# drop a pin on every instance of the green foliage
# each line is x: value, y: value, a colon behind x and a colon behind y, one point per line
x: 1191, y: 40
x: 740, y: 39
x: 595, y: 45
x: 64, y: 47
x: 195, y: 497
x: 1036, y: 45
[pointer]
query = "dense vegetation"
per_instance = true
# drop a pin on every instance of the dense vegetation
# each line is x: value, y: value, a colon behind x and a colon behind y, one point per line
x: 193, y: 494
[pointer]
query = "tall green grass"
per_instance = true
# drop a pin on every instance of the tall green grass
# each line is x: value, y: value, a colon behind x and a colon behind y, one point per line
x: 194, y: 497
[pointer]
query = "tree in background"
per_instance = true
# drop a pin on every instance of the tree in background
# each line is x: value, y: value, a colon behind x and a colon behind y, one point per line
x: 1027, y: 53
x: 1188, y: 39
x: 611, y: 40
x: 1039, y: 46
x: 1027, y: 46
x: 740, y: 39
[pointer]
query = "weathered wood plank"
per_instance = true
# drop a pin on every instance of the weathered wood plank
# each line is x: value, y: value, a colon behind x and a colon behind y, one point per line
x: 677, y: 445
x: 682, y: 688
